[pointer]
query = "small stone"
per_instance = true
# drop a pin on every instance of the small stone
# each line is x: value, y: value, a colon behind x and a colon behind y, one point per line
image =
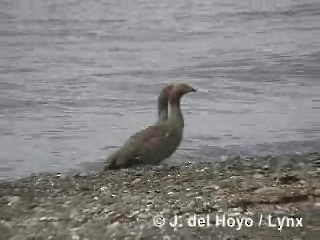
x: 257, y: 176
x: 114, y: 230
x: 234, y: 214
x: 84, y: 187
x: 191, y: 194
x: 135, y: 213
x: 192, y: 205
x: 215, y: 207
x: 131, y: 199
x: 288, y: 179
x: 166, y: 211
x: 144, y: 216
x: 184, y: 210
x: 13, y: 200
x: 302, y: 182
x: 75, y: 237
x: 268, y: 190
x: 85, y: 174
x: 236, y: 178
x: 317, y: 162
x: 49, y: 219
x: 108, y: 199
x: 137, y: 180
x: 104, y: 189
x: 213, y: 186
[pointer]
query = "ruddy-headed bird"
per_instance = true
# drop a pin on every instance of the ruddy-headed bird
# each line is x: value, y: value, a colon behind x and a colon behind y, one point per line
x: 158, y: 142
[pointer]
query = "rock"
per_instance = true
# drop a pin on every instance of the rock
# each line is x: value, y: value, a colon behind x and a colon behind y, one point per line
x: 104, y: 189
x: 115, y: 230
x: 13, y: 200
x: 166, y: 211
x: 268, y: 191
x: 258, y: 176
x: 144, y: 216
x: 61, y: 175
x: 317, y: 162
x: 84, y: 186
x: 137, y: 180
x: 108, y: 199
x: 288, y: 179
x: 131, y: 199
x: 184, y: 210
x: 49, y: 219
x: 75, y: 237
x: 212, y: 186
x: 191, y: 205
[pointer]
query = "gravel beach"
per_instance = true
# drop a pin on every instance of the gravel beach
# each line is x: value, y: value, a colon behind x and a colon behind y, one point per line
x: 270, y: 197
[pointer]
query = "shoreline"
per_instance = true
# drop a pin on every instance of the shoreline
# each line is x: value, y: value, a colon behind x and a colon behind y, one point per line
x: 200, y: 197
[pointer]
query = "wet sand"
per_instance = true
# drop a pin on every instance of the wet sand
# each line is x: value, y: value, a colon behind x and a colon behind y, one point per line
x: 272, y: 197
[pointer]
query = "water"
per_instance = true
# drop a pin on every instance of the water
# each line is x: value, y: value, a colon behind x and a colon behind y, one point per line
x: 78, y: 77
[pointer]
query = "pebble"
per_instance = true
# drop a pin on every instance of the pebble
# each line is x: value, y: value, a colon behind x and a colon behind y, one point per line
x: 144, y: 216
x: 212, y: 186
x: 104, y: 189
x: 317, y: 162
x: 184, y: 210
x: 75, y: 237
x: 236, y: 178
x: 115, y: 230
x: 192, y: 205
x: 191, y: 194
x: 258, y: 176
x: 49, y: 219
x: 131, y: 199
x: 266, y: 167
x: 108, y: 199
x: 137, y: 180
x: 166, y: 211
x: 13, y: 200
x: 267, y: 190
x: 133, y: 214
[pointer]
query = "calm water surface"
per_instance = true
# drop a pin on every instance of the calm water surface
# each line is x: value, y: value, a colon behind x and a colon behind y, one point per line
x: 78, y: 77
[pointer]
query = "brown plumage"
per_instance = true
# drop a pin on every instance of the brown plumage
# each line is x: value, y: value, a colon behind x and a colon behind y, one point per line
x: 155, y: 143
